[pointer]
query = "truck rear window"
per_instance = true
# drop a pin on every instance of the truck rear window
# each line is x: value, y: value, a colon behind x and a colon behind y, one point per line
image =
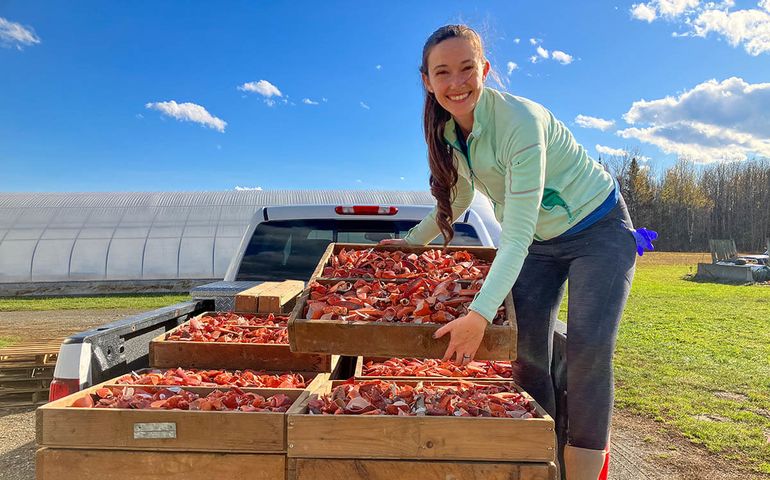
x: 291, y: 249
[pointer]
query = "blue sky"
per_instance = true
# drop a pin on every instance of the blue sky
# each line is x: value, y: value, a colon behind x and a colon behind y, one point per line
x: 86, y: 87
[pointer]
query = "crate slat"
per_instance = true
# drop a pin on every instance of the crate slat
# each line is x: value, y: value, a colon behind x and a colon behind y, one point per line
x: 72, y: 464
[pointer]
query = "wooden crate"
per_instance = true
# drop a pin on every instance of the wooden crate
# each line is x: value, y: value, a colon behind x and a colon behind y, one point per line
x: 62, y: 426
x: 384, y: 339
x: 365, y: 469
x: 484, y: 253
x: 233, y: 355
x: 269, y: 297
x: 359, y: 374
x: 383, y: 437
x: 78, y: 464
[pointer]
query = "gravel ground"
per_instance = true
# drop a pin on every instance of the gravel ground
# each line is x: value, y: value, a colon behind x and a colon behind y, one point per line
x: 641, y: 449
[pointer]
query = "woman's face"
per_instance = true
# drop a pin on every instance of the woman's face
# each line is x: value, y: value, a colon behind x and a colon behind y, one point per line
x: 456, y: 76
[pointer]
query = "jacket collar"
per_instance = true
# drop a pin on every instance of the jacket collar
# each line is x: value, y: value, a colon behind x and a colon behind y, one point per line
x: 480, y: 118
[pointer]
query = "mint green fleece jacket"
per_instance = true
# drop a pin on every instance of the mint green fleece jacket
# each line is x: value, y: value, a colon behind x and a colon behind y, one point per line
x: 540, y: 181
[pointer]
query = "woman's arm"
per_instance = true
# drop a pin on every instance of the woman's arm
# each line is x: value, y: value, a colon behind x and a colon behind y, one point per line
x: 524, y: 181
x: 424, y: 232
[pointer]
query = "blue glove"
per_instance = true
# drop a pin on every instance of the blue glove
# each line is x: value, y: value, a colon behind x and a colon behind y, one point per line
x: 644, y: 239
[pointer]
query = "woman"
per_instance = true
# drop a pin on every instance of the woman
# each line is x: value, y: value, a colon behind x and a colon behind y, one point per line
x: 562, y: 217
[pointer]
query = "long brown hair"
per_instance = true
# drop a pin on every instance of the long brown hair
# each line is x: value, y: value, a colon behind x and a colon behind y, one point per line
x: 443, y: 174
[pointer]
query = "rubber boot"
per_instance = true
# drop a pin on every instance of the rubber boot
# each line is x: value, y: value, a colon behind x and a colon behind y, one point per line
x: 584, y: 463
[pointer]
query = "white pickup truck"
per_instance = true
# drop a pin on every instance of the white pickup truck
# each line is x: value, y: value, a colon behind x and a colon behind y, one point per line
x: 282, y: 242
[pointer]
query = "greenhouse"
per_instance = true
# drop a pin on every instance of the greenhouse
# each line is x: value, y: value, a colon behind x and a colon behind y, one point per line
x: 57, y: 237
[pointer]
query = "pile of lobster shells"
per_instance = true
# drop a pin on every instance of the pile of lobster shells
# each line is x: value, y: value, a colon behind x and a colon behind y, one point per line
x: 413, y: 367
x: 175, y: 398
x: 434, y: 264
x: 421, y: 300
x: 221, y: 328
x: 214, y: 378
x: 245, y: 319
x: 464, y: 399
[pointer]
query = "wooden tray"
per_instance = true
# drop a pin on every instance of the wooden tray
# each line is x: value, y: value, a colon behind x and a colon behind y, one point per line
x: 79, y: 464
x: 385, y: 339
x: 484, y: 253
x: 359, y: 374
x: 232, y: 355
x: 315, y: 468
x: 419, y: 438
x: 59, y: 425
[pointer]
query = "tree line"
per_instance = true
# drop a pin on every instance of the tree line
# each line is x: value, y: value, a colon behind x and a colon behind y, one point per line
x: 688, y: 204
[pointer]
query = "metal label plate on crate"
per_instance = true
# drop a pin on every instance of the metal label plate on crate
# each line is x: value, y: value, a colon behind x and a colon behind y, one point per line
x: 154, y: 430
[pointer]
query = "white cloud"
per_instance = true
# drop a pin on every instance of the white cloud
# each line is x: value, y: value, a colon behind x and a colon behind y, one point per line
x: 359, y: 181
x: 139, y: 116
x: 378, y: 67
x: 511, y: 67
x: 188, y: 112
x: 615, y: 152
x: 14, y: 34
x: 593, y: 122
x: 262, y: 87
x: 516, y: 40
x: 534, y: 41
x: 748, y: 27
x: 324, y: 99
x: 307, y: 101
x: 364, y: 106
x: 402, y: 178
x: 542, y: 52
x: 713, y: 121
x: 533, y: 58
x: 561, y: 57
x: 245, y: 189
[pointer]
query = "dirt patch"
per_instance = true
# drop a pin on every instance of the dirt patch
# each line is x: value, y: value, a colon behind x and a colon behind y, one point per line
x: 55, y: 323
x: 644, y: 447
x: 17, y: 444
x: 673, y: 258
x: 736, y: 397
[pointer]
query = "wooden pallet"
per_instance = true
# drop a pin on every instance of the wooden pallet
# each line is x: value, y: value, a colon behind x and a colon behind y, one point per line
x: 26, y: 371
x: 38, y: 353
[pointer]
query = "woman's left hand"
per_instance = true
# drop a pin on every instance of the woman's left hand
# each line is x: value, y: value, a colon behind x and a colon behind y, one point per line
x: 466, y: 333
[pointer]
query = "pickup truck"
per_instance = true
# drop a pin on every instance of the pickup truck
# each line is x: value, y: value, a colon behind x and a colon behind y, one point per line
x: 281, y: 242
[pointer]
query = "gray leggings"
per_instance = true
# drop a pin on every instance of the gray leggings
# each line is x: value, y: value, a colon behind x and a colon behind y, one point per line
x: 599, y: 263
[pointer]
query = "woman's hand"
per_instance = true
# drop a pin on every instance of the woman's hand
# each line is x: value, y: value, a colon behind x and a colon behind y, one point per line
x: 465, y: 334
x: 393, y: 241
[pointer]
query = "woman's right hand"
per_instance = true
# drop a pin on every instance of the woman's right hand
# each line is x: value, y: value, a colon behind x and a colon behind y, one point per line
x: 394, y: 241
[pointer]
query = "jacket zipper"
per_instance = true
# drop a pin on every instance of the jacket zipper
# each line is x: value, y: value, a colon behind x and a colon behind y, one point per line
x: 470, y: 167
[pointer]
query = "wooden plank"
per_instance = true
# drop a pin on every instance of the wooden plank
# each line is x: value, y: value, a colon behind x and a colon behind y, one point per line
x: 316, y: 468
x: 232, y: 355
x: 382, y: 339
x: 247, y: 301
x: 59, y: 425
x: 281, y: 297
x: 71, y: 464
x: 419, y: 438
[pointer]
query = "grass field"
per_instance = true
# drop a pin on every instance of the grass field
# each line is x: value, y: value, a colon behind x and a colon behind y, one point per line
x: 7, y: 341
x: 138, y: 302
x: 696, y: 357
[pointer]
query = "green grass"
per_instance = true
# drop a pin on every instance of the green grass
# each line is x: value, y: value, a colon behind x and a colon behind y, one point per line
x: 138, y: 302
x: 681, y: 343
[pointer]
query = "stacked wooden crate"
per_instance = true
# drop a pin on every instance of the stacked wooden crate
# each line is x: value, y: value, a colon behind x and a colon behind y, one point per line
x: 26, y: 372
x: 374, y: 447
x: 157, y: 443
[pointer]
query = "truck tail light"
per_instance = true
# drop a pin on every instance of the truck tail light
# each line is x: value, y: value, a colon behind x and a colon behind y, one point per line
x: 61, y: 387
x: 365, y: 210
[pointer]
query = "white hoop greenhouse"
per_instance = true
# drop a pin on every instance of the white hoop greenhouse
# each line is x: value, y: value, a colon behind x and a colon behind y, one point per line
x: 56, y: 237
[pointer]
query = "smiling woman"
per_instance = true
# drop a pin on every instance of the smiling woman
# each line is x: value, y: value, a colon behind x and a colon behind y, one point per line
x: 560, y: 211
